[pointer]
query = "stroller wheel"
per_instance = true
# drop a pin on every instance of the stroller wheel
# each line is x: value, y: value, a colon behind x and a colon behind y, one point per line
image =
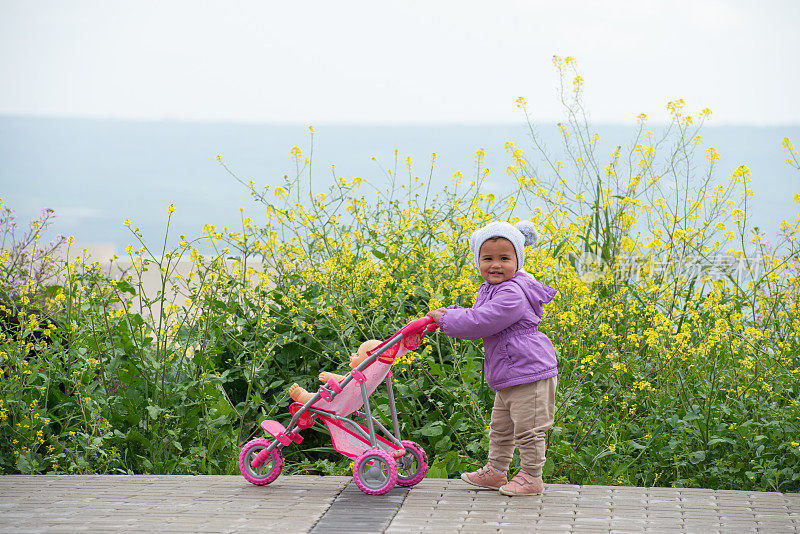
x: 266, y: 472
x: 411, y: 468
x: 375, y: 472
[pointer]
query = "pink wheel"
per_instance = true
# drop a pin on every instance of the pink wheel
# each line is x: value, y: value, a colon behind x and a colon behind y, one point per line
x: 266, y: 472
x: 375, y: 472
x: 412, y: 467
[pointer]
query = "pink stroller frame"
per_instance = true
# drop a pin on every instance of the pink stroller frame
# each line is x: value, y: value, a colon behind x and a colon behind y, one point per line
x: 379, y: 462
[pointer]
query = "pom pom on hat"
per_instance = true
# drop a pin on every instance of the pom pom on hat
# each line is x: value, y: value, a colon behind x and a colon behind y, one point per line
x: 528, y: 232
x: 521, y: 235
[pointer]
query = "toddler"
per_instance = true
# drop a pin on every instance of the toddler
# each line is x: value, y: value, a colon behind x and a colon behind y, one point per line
x: 519, y: 363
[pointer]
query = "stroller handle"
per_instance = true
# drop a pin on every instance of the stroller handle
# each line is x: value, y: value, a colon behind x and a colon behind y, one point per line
x: 415, y: 327
x: 418, y: 325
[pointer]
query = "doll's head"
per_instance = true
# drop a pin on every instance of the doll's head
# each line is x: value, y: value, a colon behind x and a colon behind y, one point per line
x: 499, y: 249
x: 363, y: 350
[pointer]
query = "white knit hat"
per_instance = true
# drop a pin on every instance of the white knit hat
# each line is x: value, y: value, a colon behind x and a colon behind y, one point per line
x: 521, y: 235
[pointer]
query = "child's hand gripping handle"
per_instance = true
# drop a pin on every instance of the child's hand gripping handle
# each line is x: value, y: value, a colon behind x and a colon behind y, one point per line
x: 418, y: 325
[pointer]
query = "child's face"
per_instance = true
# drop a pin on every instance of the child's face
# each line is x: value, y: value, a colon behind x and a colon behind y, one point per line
x: 497, y: 260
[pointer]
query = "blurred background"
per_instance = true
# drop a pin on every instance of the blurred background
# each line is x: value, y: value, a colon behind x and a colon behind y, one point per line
x: 113, y: 111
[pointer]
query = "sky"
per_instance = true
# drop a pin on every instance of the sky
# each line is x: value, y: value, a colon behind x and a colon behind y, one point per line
x: 407, y: 62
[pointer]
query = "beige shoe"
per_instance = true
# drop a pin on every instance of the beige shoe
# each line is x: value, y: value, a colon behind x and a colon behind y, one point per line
x: 485, y: 477
x: 523, y: 484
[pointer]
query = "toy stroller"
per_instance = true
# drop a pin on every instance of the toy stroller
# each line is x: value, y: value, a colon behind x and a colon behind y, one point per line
x: 378, y: 462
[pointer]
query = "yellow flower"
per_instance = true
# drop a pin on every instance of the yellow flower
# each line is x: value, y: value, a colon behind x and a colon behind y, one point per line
x: 171, y: 209
x: 127, y: 222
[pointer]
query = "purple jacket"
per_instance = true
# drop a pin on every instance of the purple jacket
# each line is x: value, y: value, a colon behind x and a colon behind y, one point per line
x: 506, y: 316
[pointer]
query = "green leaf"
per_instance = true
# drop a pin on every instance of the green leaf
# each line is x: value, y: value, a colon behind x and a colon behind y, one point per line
x: 432, y: 429
x: 126, y: 287
x: 697, y: 457
x: 436, y: 471
x: 603, y: 454
x: 549, y: 466
x: 714, y: 441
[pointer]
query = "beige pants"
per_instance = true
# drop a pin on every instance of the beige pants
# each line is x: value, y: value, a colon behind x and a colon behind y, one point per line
x: 521, y: 417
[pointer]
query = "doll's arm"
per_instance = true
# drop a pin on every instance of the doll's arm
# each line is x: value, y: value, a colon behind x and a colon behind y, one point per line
x: 324, y: 376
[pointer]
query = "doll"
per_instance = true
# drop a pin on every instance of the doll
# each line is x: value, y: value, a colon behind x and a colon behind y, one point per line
x: 301, y: 395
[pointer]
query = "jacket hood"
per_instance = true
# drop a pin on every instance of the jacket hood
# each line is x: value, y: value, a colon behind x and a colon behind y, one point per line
x: 537, y: 293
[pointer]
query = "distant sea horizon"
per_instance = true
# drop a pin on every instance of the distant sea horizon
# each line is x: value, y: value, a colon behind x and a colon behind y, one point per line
x: 95, y: 173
